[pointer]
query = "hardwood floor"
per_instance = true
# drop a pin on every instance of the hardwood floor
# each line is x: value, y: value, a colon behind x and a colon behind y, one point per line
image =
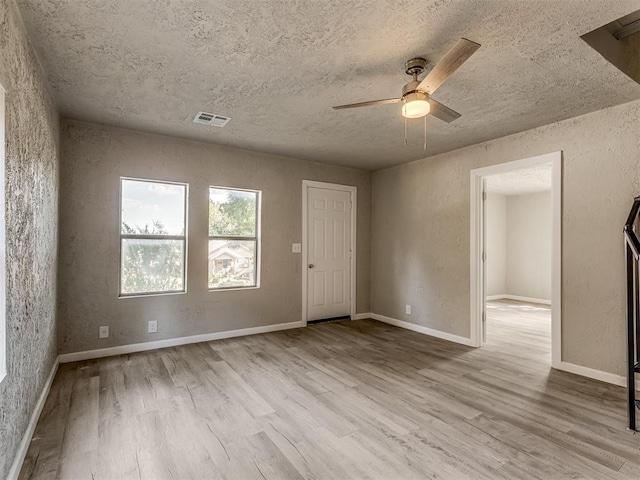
x: 357, y: 399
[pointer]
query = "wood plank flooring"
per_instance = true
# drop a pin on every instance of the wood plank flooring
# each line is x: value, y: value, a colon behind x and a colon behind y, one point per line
x: 348, y: 400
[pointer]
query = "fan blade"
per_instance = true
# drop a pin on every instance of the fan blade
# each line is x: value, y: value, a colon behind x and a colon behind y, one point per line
x: 449, y: 64
x: 442, y: 112
x: 366, y: 104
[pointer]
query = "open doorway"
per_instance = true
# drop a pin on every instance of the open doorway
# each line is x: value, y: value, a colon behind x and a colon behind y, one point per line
x: 518, y: 259
x: 515, y: 245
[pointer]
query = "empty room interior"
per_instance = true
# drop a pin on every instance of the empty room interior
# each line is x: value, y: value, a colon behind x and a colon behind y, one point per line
x: 319, y: 240
x: 518, y: 245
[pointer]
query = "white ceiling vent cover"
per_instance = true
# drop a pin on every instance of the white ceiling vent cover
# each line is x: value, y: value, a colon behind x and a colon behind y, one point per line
x: 211, y: 119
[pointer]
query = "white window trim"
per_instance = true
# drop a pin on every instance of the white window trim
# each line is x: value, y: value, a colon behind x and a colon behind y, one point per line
x: 169, y: 237
x: 257, y: 238
x: 3, y: 293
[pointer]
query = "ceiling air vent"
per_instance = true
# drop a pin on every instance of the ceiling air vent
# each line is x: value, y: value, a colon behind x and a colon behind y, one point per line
x: 211, y: 119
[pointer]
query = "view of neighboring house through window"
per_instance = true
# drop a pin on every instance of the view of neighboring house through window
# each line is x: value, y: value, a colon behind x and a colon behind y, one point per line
x: 234, y: 219
x: 153, y: 225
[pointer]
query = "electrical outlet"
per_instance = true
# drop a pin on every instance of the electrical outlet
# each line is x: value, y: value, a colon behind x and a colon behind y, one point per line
x: 152, y: 326
x: 407, y: 309
x: 296, y: 248
x: 104, y: 331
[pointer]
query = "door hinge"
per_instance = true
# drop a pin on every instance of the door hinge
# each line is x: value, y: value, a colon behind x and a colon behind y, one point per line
x: 484, y: 256
x: 484, y: 195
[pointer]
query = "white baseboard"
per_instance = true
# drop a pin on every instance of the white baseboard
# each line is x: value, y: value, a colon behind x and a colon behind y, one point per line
x: 420, y: 329
x: 362, y: 316
x: 519, y: 298
x: 597, y: 374
x: 14, y: 471
x: 174, y: 342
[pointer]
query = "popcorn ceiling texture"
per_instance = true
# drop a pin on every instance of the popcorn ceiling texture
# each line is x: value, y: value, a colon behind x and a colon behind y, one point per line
x: 421, y: 214
x: 32, y: 133
x: 277, y: 67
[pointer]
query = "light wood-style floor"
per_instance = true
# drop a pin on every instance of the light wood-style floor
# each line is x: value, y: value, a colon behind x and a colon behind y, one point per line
x: 354, y: 400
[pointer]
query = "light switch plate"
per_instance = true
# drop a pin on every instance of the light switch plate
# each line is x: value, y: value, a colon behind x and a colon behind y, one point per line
x: 104, y: 331
x: 296, y: 248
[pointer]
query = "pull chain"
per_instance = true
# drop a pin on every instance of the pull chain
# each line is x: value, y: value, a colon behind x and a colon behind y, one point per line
x: 425, y: 133
x: 405, y: 131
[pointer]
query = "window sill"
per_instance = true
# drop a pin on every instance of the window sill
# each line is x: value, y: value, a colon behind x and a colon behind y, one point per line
x: 156, y: 294
x: 233, y: 289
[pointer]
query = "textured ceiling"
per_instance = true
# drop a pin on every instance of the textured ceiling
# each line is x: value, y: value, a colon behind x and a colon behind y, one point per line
x: 521, y: 182
x: 277, y: 66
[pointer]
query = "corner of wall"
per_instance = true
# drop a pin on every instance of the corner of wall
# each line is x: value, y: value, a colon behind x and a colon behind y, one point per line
x: 32, y: 183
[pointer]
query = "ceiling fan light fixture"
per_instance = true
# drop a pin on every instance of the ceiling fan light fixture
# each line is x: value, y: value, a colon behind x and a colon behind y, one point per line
x: 415, y: 105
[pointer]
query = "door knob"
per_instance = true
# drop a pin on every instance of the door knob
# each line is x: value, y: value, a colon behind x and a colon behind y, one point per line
x: 311, y: 265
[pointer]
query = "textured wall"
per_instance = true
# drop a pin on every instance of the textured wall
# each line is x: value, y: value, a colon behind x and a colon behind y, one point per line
x: 420, y: 230
x: 518, y: 236
x: 528, y: 238
x: 496, y: 238
x: 31, y: 231
x: 93, y: 160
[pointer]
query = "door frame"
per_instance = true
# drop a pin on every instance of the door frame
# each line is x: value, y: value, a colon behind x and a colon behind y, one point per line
x: 306, y: 184
x: 477, y: 247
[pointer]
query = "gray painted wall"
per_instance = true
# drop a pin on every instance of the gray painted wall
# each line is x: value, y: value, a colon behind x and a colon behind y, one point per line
x: 420, y: 230
x: 518, y: 236
x: 31, y: 231
x: 496, y: 238
x: 528, y: 237
x: 93, y: 160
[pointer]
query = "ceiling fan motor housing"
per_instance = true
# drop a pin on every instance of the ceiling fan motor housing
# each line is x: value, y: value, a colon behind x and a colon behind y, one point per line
x: 410, y: 92
x: 410, y: 88
x: 415, y: 101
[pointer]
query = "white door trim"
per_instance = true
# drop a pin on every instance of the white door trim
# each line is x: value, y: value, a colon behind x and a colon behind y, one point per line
x: 306, y: 184
x: 555, y: 160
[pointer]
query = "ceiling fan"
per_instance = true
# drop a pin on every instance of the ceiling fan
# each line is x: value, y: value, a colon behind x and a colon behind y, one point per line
x: 416, y: 95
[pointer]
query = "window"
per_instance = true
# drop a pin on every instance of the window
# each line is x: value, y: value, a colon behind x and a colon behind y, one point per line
x: 3, y: 319
x: 153, y: 225
x: 234, y: 230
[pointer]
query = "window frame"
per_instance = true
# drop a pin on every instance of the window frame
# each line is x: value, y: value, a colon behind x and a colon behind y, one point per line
x: 257, y: 238
x: 128, y: 236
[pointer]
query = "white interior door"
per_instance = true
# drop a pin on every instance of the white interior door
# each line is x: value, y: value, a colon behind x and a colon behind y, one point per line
x: 328, y: 259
